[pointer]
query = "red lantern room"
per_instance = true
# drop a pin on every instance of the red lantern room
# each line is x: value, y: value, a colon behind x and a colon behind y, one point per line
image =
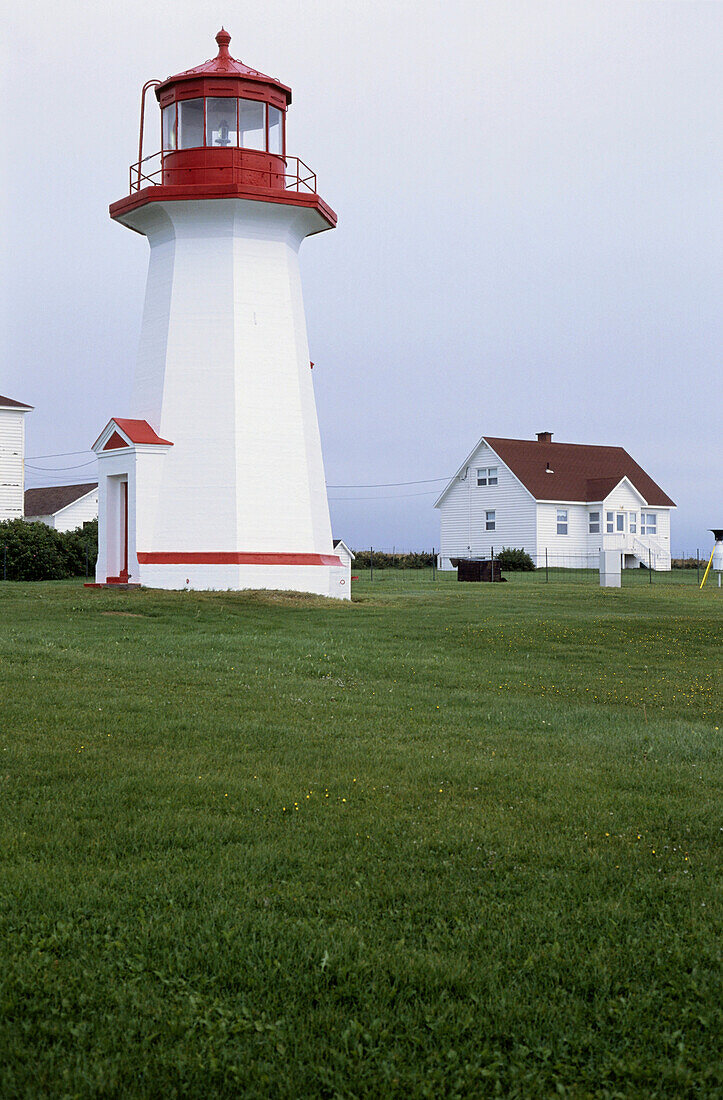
x: 223, y: 135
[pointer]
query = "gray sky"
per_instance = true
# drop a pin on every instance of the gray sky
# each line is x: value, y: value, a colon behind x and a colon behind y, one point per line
x: 529, y: 230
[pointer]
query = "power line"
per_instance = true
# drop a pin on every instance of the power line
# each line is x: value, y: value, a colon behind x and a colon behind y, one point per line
x: 59, y: 469
x: 389, y: 484
x: 62, y: 454
x: 391, y: 496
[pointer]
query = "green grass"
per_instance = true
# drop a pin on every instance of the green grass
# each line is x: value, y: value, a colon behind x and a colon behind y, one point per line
x: 450, y: 841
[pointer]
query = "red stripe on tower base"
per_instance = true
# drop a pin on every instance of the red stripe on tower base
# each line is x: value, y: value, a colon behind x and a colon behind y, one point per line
x: 233, y: 558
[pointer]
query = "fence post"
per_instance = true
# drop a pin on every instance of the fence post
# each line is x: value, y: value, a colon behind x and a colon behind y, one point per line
x: 371, y: 563
x: 697, y: 565
x: 5, y: 561
x: 434, y: 564
x: 547, y: 575
x: 492, y: 563
x: 650, y: 566
x: 86, y: 561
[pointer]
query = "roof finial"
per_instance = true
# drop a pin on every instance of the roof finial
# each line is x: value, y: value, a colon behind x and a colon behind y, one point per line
x: 223, y: 38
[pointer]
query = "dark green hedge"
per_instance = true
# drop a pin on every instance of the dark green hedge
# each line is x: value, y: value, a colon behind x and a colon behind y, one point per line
x: 514, y: 561
x: 36, y: 552
x: 392, y: 561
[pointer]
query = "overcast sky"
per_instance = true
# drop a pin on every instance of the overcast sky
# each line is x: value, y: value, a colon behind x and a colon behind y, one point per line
x: 529, y: 232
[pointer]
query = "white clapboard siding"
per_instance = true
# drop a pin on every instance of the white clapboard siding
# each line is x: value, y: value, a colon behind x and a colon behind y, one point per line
x: 577, y: 543
x: 76, y: 514
x: 12, y: 451
x: 463, y: 512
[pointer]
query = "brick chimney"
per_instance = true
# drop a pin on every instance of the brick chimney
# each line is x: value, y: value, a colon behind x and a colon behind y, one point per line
x: 544, y: 437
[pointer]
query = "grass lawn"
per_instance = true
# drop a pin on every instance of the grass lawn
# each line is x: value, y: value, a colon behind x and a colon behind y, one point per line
x: 447, y: 841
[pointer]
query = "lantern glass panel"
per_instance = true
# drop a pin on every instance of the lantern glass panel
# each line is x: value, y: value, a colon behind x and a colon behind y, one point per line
x: 190, y: 123
x: 276, y: 141
x: 169, y: 127
x: 252, y: 124
x: 221, y: 123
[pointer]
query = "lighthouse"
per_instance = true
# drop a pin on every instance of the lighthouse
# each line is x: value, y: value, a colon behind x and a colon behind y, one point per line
x: 212, y: 477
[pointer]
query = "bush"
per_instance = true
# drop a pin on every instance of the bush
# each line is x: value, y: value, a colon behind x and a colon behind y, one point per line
x: 36, y: 552
x: 416, y: 560
x: 515, y: 561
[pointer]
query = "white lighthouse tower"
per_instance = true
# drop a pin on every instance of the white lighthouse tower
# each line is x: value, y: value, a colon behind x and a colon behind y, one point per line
x: 213, y: 478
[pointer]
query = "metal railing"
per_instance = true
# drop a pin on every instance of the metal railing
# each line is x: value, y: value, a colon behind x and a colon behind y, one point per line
x: 155, y: 171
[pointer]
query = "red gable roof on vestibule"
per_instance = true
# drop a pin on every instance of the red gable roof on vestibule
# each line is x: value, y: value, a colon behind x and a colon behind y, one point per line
x: 137, y: 431
x: 574, y: 471
x: 140, y: 431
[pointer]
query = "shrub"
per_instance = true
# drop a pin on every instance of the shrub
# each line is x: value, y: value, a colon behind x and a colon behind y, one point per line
x: 36, y: 552
x: 515, y: 561
x: 416, y: 560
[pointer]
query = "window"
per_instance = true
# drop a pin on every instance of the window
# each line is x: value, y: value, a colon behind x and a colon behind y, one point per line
x: 487, y: 475
x: 648, y: 523
x: 489, y: 521
x: 594, y: 523
x: 562, y: 521
x: 221, y: 122
x: 633, y: 522
x: 252, y: 124
x: 190, y: 123
x: 620, y: 522
x: 169, y: 127
x: 609, y: 522
x: 276, y: 141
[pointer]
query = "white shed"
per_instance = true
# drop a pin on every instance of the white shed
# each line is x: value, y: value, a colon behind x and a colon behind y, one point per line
x: 343, y: 551
x: 63, y: 507
x: 560, y: 502
x: 12, y: 457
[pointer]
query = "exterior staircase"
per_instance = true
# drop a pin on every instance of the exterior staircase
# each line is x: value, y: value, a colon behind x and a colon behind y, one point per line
x: 650, y: 553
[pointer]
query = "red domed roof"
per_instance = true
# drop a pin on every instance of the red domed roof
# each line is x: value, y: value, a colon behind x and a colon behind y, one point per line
x: 223, y: 65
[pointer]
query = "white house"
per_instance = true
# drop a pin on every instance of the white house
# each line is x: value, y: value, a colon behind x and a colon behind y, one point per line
x: 560, y: 502
x: 63, y: 507
x: 12, y: 457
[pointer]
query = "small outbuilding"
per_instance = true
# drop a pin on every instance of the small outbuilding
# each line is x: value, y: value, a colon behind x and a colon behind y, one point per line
x: 63, y: 507
x: 346, y: 555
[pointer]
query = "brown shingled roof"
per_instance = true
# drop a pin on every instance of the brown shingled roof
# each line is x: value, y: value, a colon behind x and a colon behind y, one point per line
x: 8, y: 403
x: 48, y: 501
x: 580, y: 472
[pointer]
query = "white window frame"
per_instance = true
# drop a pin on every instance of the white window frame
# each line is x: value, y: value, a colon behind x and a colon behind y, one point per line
x: 486, y: 475
x: 594, y: 523
x: 562, y: 521
x: 609, y: 523
x: 620, y: 523
x: 649, y: 523
x: 633, y: 523
x: 490, y: 521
